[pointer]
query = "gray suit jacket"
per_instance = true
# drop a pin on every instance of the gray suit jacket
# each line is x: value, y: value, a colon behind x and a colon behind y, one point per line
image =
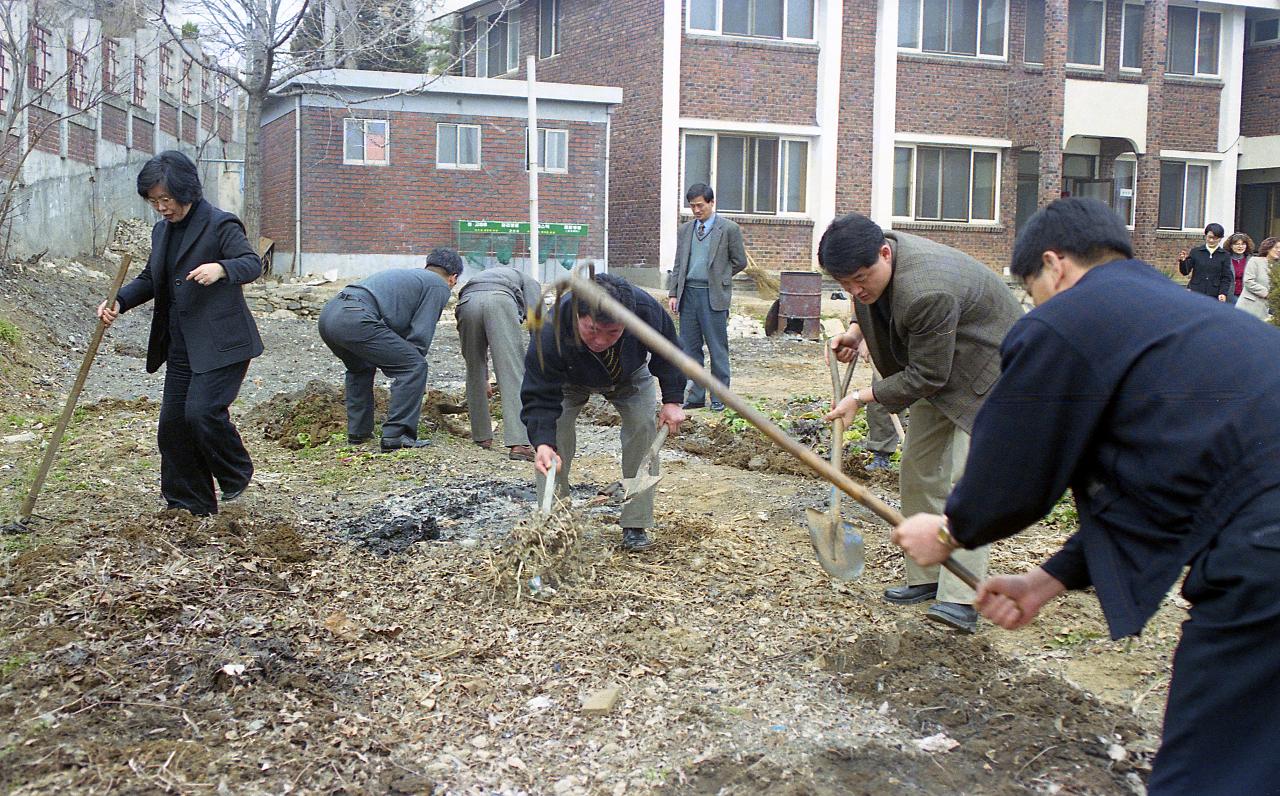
x: 948, y: 314
x: 728, y: 257
x: 523, y: 289
x: 1257, y: 285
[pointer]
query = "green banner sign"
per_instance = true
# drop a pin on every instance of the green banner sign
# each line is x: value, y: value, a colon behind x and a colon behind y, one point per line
x: 522, y: 228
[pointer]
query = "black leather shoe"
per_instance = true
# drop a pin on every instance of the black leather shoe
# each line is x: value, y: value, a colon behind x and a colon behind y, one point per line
x: 954, y: 615
x: 634, y: 539
x: 389, y: 444
x: 694, y: 404
x: 358, y: 439
x: 910, y: 595
x: 227, y: 497
x: 717, y: 407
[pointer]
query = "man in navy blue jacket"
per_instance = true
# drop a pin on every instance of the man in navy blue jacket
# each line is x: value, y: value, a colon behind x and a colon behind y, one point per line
x: 1115, y: 386
x: 581, y: 350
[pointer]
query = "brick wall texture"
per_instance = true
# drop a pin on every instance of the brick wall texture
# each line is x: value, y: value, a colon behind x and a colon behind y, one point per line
x: 82, y: 143
x: 144, y: 135
x: 114, y: 121
x: 1261, y: 91
x: 44, y: 130
x: 277, y: 178
x: 189, y: 127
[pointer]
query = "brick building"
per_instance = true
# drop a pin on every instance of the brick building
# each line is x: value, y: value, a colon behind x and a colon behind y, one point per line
x: 385, y: 165
x: 954, y: 119
x: 84, y: 102
x: 1258, y: 198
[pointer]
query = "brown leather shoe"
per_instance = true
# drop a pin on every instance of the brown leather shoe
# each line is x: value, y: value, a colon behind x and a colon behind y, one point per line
x: 484, y: 443
x: 522, y: 453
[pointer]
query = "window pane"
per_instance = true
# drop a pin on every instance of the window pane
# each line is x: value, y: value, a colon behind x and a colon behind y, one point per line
x: 1078, y: 166
x: 1172, y: 175
x: 766, y: 176
x: 909, y: 23
x: 547, y: 28
x: 1125, y: 174
x: 993, y: 27
x: 697, y: 160
x: 984, y: 186
x: 964, y: 27
x: 1131, y: 52
x: 446, y: 143
x: 934, y: 37
x: 796, y: 176
x: 375, y: 141
x: 702, y: 14
x: 955, y: 184
x: 557, y: 143
x: 469, y: 146
x: 1084, y: 32
x: 730, y: 172
x: 928, y: 181
x: 354, y: 140
x: 1197, y: 181
x: 1033, y: 41
x: 902, y: 181
x: 768, y: 18
x: 1207, y: 57
x: 800, y: 19
x: 513, y: 41
x: 497, y: 45
x: 1182, y: 41
x: 736, y: 17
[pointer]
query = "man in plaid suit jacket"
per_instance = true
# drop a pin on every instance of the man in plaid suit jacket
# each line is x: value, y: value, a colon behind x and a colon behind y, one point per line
x: 932, y: 318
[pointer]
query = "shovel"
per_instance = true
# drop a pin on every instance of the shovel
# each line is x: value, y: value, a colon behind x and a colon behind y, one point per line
x: 840, y: 548
x: 548, y: 494
x: 661, y: 346
x: 644, y: 480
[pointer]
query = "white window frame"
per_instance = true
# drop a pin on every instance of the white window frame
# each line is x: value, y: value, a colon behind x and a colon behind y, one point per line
x: 911, y: 184
x: 483, y: 29
x: 551, y: 20
x: 1253, y: 27
x: 456, y: 164
x: 1187, y: 163
x: 1199, y: 13
x: 1102, y: 39
x: 750, y: 180
x: 1123, y: 30
x: 544, y: 136
x: 919, y: 48
x: 1133, y: 199
x: 718, y: 30
x: 364, y: 123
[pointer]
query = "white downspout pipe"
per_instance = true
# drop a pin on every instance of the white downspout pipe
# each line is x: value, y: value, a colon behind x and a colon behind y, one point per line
x: 297, y: 188
x: 535, y: 265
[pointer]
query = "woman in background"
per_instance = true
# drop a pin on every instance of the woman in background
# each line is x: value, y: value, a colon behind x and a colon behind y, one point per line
x: 1257, y: 279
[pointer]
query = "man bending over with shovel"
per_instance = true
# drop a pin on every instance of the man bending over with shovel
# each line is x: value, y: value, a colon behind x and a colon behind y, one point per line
x: 933, y: 318
x: 1114, y: 386
x: 581, y: 350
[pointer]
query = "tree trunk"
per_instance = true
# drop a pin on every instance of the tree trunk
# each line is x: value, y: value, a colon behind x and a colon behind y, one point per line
x: 252, y: 217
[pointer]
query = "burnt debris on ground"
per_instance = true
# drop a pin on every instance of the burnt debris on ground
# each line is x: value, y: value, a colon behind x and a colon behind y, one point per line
x: 447, y: 512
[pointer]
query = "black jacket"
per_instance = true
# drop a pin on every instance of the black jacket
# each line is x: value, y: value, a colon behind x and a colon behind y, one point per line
x: 1117, y: 388
x: 565, y: 361
x: 1211, y: 274
x: 214, y: 319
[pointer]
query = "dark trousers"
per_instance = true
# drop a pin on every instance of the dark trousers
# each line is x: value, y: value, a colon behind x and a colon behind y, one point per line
x: 352, y: 327
x: 700, y: 324
x: 1219, y: 725
x: 198, y: 442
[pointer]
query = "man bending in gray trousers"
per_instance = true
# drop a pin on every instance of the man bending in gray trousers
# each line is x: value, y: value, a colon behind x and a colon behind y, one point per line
x: 492, y: 306
x: 386, y: 322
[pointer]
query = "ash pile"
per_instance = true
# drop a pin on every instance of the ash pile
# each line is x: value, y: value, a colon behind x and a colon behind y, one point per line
x: 439, y: 513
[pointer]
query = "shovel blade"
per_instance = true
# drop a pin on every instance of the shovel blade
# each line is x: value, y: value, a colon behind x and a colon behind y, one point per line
x: 840, y: 550
x: 633, y: 487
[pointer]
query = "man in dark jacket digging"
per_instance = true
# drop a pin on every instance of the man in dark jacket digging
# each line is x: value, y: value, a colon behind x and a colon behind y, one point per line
x: 1099, y: 389
x: 580, y: 350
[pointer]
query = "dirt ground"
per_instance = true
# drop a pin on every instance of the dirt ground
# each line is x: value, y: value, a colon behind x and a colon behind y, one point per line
x: 366, y: 623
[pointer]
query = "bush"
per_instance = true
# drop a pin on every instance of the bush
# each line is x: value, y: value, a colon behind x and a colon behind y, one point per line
x: 1273, y: 297
x: 9, y: 333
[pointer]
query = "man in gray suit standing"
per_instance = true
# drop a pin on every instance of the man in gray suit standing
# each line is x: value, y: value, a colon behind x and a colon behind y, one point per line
x: 933, y: 319
x: 709, y: 252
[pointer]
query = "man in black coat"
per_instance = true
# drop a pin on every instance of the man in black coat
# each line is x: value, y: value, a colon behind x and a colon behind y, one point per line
x: 1209, y: 266
x: 201, y: 327
x: 1114, y: 386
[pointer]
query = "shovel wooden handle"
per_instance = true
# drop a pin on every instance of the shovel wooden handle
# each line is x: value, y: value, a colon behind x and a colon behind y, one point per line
x: 660, y: 345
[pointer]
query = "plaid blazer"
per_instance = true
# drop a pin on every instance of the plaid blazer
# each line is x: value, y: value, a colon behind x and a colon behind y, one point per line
x: 940, y: 340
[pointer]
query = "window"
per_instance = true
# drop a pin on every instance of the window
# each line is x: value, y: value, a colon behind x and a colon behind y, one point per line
x: 1131, y: 37
x: 77, y: 79
x: 945, y: 183
x: 497, y: 45
x: 1126, y: 179
x: 364, y: 142
x: 38, y: 65
x: 457, y: 146
x: 749, y: 174
x: 1183, y: 188
x: 166, y: 70
x: 139, y: 80
x: 548, y: 28
x: 1193, y: 41
x: 110, y: 65
x: 767, y: 19
x: 4, y: 76
x: 954, y: 27
x: 553, y: 146
x: 1084, y: 32
x: 1033, y: 38
x: 224, y: 91
x: 204, y: 86
x: 1264, y: 30
x: 188, y: 68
